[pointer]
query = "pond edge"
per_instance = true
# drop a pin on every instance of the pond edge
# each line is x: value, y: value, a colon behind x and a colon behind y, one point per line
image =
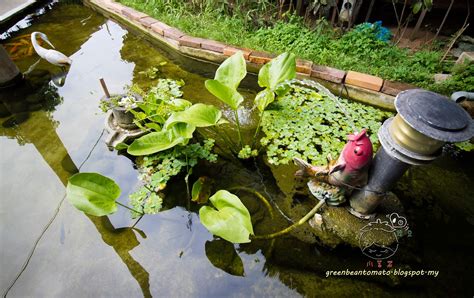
x: 357, y: 86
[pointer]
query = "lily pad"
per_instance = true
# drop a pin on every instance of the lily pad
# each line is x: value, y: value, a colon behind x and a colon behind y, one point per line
x: 229, y: 220
x: 93, y: 193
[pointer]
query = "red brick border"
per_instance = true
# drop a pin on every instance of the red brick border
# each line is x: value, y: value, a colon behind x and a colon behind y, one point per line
x: 256, y: 58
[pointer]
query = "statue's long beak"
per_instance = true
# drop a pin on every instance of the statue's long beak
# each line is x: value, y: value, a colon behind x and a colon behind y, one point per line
x: 47, y: 40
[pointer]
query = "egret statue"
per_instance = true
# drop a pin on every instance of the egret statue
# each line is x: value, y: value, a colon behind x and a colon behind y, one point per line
x: 52, y: 56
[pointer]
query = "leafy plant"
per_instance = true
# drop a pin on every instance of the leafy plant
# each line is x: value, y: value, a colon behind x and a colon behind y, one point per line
x: 310, y: 125
x: 271, y: 77
x: 229, y: 219
x: 421, y: 4
x: 247, y: 152
x: 225, y: 83
x: 93, y: 193
x: 172, y: 119
x: 157, y: 169
x: 126, y: 101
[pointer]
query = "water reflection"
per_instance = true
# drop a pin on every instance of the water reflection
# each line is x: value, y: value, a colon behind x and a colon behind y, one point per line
x: 123, y: 240
x: 39, y: 129
x: 27, y: 115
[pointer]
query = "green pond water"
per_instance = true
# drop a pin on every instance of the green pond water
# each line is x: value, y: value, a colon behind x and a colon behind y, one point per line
x: 58, y: 131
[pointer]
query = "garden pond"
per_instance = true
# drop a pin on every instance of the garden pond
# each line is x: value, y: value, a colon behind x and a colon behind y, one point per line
x: 49, y: 248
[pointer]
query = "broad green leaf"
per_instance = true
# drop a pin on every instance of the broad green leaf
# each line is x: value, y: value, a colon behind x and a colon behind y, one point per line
x: 222, y: 255
x: 280, y: 69
x: 264, y: 98
x: 231, y: 220
x: 227, y: 95
x: 232, y: 71
x: 153, y: 142
x: 201, y: 190
x: 93, y: 193
x: 183, y: 130
x: 199, y: 115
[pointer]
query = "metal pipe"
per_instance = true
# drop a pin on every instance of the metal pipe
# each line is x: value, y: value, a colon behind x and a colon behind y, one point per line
x: 424, y: 123
x: 461, y: 96
x: 383, y: 174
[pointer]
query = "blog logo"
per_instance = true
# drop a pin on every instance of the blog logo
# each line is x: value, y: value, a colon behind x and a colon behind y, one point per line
x: 378, y: 239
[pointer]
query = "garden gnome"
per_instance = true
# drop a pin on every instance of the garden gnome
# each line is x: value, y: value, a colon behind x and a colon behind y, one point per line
x: 351, y: 168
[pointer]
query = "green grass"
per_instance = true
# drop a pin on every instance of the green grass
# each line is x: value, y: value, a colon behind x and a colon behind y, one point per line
x: 356, y: 50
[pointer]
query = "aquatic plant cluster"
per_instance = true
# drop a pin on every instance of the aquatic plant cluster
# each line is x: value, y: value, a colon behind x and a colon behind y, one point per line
x: 300, y: 123
x: 157, y: 169
x: 310, y: 125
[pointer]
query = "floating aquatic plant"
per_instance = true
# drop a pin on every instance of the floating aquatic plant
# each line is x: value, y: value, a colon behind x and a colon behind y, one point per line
x: 310, y: 125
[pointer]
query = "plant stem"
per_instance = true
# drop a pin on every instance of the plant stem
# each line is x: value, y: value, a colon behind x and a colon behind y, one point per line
x: 140, y: 218
x: 293, y: 226
x: 238, y: 128
x: 225, y: 138
x: 258, y: 195
x: 124, y: 206
x: 257, y: 130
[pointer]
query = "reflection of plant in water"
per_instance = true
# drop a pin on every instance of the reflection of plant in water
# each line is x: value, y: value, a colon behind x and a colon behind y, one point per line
x: 153, y: 71
x: 222, y: 255
x: 310, y: 126
x: 51, y: 97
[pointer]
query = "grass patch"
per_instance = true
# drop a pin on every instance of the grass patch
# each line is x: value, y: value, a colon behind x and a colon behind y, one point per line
x: 357, y: 50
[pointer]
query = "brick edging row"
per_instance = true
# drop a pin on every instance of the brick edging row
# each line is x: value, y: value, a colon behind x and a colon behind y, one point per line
x: 190, y: 44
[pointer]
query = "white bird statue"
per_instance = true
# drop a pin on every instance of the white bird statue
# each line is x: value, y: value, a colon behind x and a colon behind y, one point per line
x: 52, y: 56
